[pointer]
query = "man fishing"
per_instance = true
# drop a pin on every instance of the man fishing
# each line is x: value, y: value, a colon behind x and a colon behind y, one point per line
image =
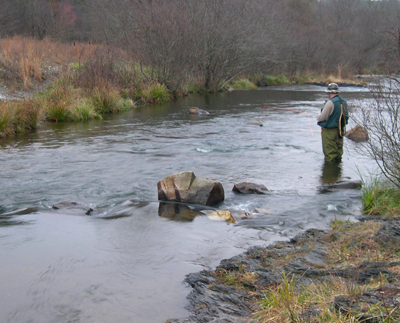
x: 332, y: 120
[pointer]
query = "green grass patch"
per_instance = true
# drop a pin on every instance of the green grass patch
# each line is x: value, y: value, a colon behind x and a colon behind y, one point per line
x: 380, y: 198
x: 277, y: 80
x: 243, y: 84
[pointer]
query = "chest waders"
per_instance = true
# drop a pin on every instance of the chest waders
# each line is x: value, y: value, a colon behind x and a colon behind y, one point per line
x: 334, y: 129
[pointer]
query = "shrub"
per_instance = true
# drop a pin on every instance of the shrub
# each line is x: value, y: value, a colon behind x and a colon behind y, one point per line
x: 381, y: 118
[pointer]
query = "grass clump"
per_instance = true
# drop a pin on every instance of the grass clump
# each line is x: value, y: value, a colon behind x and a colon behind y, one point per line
x: 105, y: 101
x: 57, y: 101
x: 18, y: 117
x: 277, y: 80
x: 155, y: 93
x: 243, y: 84
x: 236, y: 278
x: 380, y: 198
x: 83, y: 110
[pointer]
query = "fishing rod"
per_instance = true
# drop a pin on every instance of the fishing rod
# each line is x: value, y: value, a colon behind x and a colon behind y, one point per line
x: 309, y: 118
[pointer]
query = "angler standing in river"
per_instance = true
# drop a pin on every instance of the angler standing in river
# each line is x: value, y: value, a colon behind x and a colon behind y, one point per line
x: 332, y: 120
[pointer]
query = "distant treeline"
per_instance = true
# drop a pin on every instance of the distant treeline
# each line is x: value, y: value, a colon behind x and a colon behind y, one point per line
x: 213, y: 41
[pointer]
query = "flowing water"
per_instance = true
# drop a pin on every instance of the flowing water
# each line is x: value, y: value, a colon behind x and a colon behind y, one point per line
x: 127, y: 263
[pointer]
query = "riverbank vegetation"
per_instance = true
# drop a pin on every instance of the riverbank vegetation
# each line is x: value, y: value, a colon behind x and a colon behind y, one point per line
x: 379, y: 197
x: 112, y: 54
x: 348, y: 244
x: 349, y: 274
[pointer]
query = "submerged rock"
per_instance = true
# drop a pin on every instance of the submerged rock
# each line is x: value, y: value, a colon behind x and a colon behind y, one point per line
x: 262, y: 211
x: 249, y: 188
x: 187, y: 188
x: 197, y: 111
x: 347, y: 185
x: 220, y: 215
x: 73, y: 207
x: 256, y: 123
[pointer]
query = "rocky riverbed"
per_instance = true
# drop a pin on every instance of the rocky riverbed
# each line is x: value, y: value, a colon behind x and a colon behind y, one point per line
x: 363, y: 256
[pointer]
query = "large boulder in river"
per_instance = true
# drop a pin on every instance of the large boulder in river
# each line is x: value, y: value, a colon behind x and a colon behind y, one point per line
x: 357, y: 134
x: 249, y: 188
x: 187, y: 188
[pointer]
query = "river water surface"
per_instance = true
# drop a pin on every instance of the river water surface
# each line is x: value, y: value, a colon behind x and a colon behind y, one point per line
x: 127, y: 263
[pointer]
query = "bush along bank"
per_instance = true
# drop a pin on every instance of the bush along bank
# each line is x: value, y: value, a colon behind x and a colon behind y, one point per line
x: 348, y: 274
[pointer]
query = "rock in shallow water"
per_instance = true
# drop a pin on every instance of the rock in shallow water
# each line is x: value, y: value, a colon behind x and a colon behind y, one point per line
x: 73, y: 207
x: 197, y: 111
x: 187, y: 188
x: 249, y: 188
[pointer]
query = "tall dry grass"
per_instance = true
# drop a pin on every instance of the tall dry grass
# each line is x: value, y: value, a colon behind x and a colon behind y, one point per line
x: 25, y: 60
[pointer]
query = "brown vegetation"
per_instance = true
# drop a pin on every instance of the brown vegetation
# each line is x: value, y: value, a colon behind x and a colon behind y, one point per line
x: 211, y: 43
x: 153, y: 50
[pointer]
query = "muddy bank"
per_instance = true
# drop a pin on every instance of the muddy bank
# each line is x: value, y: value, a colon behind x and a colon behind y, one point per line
x: 231, y: 293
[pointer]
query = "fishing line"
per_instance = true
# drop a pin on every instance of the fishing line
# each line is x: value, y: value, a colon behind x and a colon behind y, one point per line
x: 309, y: 118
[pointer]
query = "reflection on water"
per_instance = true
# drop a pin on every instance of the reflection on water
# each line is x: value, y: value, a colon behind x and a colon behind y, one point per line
x: 331, y: 172
x: 65, y: 267
x: 177, y: 212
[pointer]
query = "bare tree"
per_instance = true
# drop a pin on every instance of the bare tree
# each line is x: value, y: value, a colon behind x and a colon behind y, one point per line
x: 381, y: 119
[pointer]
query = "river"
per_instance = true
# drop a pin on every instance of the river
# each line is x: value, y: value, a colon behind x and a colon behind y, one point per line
x: 127, y: 263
